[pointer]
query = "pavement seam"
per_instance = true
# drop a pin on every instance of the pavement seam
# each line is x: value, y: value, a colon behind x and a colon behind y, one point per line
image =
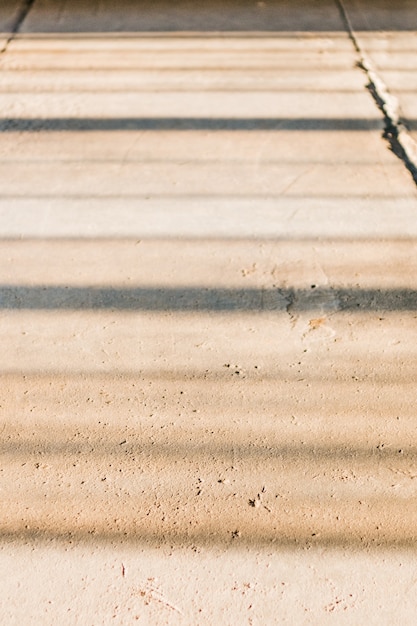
x: 396, y: 132
x: 26, y: 6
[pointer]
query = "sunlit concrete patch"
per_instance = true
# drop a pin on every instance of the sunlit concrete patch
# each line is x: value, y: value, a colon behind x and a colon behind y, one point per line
x: 165, y: 585
x: 257, y: 147
x: 304, y: 217
x: 205, y: 182
x: 233, y: 263
x: 98, y: 341
x: 199, y: 50
x: 106, y: 81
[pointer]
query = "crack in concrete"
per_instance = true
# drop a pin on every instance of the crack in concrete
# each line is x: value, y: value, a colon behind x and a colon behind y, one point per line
x: 21, y: 16
x: 396, y: 132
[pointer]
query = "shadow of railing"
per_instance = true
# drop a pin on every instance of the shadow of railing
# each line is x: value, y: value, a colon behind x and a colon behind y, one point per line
x: 234, y: 16
x: 203, y: 299
x: 115, y: 447
x: 183, y: 15
x: 208, y: 536
x: 76, y: 124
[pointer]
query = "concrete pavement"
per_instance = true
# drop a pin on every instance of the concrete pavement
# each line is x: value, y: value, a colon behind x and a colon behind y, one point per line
x: 208, y: 317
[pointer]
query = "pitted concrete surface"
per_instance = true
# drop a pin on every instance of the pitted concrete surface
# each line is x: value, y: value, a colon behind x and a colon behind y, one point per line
x: 208, y: 314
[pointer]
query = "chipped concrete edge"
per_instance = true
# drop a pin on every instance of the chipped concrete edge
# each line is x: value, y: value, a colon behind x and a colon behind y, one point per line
x: 396, y: 132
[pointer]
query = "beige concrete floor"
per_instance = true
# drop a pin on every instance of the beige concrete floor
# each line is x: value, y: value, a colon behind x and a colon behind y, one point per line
x: 208, y: 319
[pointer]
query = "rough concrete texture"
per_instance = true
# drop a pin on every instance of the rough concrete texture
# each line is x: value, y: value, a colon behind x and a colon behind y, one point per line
x: 208, y: 317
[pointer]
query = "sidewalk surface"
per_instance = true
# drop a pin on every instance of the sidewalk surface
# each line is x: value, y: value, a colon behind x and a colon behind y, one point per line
x: 208, y: 314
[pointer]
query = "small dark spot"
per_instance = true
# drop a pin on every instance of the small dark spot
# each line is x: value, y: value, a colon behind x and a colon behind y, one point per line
x: 313, y: 286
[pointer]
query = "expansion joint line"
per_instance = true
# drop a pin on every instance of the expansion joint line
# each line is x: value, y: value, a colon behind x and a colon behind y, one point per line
x: 21, y: 16
x: 396, y: 132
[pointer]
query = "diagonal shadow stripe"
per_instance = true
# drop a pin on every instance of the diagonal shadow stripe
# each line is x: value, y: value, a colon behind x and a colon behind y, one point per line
x: 202, y: 299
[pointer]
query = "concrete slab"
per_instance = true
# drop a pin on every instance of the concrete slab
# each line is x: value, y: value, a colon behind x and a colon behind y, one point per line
x: 172, y: 180
x: 207, y: 302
